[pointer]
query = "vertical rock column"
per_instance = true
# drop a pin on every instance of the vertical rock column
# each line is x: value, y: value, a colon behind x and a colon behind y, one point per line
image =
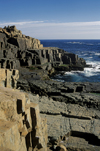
x: 21, y: 127
x: 8, y: 78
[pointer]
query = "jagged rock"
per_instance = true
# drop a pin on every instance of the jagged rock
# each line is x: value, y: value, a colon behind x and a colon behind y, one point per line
x: 16, y: 38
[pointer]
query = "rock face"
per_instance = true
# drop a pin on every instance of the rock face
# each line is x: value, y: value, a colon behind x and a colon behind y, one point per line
x: 21, y: 127
x: 12, y: 47
x: 18, y: 50
x: 8, y: 78
x: 15, y: 37
x: 72, y: 111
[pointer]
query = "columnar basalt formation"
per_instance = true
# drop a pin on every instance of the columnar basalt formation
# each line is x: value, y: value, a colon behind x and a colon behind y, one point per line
x: 72, y: 110
x: 21, y: 127
x: 17, y: 50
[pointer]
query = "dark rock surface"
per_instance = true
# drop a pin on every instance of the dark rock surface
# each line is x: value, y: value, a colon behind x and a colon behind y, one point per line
x: 70, y: 108
x: 78, y: 125
x: 72, y: 111
x: 84, y: 94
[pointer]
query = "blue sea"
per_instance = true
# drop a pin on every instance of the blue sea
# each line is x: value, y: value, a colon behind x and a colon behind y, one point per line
x: 86, y: 49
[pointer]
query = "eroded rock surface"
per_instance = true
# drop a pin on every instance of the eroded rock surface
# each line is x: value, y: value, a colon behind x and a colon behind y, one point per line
x: 72, y: 109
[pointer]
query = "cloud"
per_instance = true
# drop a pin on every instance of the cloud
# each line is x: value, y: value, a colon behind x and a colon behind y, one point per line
x: 79, y: 23
x: 73, y: 24
x: 44, y: 23
x: 20, y: 23
x: 54, y: 30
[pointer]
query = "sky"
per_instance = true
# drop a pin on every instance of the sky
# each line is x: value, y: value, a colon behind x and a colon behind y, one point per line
x: 53, y: 19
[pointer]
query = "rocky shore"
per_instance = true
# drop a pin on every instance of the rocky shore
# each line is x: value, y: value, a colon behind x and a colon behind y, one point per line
x: 72, y: 109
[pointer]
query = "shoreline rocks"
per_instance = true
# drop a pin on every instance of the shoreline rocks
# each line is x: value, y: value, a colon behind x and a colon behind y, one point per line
x: 72, y: 109
x: 69, y: 108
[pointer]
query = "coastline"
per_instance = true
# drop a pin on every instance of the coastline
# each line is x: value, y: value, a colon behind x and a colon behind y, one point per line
x: 72, y: 109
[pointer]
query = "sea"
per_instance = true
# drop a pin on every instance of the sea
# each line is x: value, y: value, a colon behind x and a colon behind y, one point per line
x: 86, y: 49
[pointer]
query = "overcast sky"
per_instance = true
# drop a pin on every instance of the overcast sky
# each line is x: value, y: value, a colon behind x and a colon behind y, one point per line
x: 53, y: 19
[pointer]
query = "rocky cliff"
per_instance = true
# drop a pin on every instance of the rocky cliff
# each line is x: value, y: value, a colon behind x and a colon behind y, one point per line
x: 72, y: 110
x: 18, y: 50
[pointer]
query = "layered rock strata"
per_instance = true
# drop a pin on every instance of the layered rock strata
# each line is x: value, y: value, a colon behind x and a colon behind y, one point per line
x: 72, y: 111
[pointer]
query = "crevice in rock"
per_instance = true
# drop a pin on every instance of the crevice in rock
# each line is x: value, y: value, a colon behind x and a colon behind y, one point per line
x: 13, y: 41
x: 13, y: 82
x: 76, y: 117
x: 53, y: 93
x: 48, y: 113
x: 28, y: 141
x: 79, y: 88
x: 19, y: 106
x: 91, y: 138
x: 66, y: 115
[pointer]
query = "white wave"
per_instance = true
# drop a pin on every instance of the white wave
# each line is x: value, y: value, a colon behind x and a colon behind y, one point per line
x: 97, y: 54
x: 88, y: 72
x: 93, y: 64
x: 74, y: 73
x: 77, y: 43
x: 90, y: 44
x: 85, y: 54
x: 90, y: 57
x: 74, y: 42
x: 59, y: 80
x: 94, y: 70
x: 70, y: 73
x: 97, y: 68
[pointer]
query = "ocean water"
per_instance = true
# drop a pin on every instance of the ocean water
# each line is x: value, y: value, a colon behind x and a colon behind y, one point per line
x: 86, y: 49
